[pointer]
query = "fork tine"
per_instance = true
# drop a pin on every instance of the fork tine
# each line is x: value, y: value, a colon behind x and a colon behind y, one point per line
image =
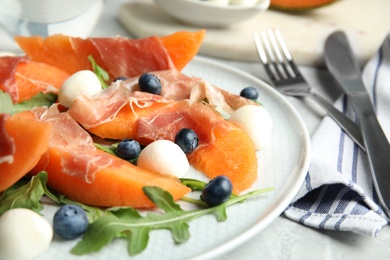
x: 270, y: 50
x: 275, y: 56
x: 263, y: 57
x: 260, y: 49
x: 275, y: 42
x: 286, y: 52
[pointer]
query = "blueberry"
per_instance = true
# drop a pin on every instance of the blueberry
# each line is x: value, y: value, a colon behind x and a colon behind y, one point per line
x: 149, y: 83
x: 120, y: 78
x: 217, y: 191
x: 187, y: 140
x: 128, y: 149
x: 249, y: 93
x: 70, y: 222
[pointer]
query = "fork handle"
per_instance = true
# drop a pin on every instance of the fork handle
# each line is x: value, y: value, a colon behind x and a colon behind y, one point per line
x: 341, y: 119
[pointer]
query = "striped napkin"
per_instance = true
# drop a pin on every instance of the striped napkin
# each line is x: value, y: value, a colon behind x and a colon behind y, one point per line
x: 338, y: 193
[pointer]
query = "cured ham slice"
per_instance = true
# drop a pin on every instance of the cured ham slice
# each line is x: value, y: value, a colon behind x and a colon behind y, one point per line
x: 119, y: 56
x: 101, y: 109
x: 165, y: 122
x: 88, y: 175
x: 104, y: 107
x: 82, y: 160
x: 224, y: 101
x: 71, y: 54
x: 129, y: 58
x: 8, y: 66
x: 22, y: 78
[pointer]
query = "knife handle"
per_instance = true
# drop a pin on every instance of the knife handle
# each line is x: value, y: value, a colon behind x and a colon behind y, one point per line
x: 377, y: 147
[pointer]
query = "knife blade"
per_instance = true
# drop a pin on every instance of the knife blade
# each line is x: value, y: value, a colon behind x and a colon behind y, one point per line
x: 342, y: 63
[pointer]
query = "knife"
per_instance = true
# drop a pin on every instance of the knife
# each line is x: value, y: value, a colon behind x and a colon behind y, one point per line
x: 342, y: 64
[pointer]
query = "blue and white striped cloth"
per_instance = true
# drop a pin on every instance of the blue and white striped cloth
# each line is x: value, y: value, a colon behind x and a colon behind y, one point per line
x: 338, y: 193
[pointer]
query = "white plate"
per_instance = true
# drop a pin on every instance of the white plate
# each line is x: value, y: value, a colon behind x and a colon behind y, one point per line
x: 282, y: 165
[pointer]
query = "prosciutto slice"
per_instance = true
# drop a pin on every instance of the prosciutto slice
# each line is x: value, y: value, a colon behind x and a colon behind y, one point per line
x: 176, y: 86
x: 121, y: 56
x: 102, y: 108
x: 84, y: 160
x: 7, y: 144
x: 167, y: 121
x: 224, y: 101
x: 8, y: 66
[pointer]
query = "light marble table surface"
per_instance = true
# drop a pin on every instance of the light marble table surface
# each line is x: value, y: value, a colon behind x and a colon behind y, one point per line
x: 283, y: 238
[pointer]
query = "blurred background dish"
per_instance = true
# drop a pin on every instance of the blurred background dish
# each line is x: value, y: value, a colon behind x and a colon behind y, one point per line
x: 48, y: 17
x: 212, y: 13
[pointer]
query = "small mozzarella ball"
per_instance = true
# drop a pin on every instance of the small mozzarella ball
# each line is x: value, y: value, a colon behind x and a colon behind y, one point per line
x: 82, y: 82
x: 164, y: 157
x: 219, y: 2
x: 6, y: 53
x: 244, y: 2
x: 24, y: 234
x: 256, y: 121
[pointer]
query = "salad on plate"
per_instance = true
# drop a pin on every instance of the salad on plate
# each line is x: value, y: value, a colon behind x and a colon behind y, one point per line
x: 108, y: 130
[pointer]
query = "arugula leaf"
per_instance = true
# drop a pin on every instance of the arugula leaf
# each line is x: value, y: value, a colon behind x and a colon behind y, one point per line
x: 6, y: 105
x: 27, y: 195
x: 120, y: 222
x: 128, y: 224
x: 93, y: 213
x: 194, y: 185
x: 112, y: 150
x: 39, y: 100
x: 100, y: 72
x: 108, y: 149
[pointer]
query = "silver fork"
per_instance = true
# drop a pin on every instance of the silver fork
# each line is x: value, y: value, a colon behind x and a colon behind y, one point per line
x: 285, y: 76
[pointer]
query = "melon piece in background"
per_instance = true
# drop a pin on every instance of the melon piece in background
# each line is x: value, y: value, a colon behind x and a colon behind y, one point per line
x: 298, y: 5
x: 23, y: 78
x: 119, y: 56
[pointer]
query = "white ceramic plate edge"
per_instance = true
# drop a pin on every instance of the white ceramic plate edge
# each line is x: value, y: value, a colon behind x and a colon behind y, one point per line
x: 291, y: 188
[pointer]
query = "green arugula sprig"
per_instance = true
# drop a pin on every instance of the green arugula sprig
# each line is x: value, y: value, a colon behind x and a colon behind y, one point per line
x: 122, y: 222
x: 112, y: 150
x: 26, y: 194
x: 101, y: 74
x: 129, y: 224
x: 39, y: 100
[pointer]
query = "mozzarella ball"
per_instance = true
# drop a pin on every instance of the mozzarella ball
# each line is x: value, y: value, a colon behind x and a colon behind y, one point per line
x: 82, y: 82
x: 24, y: 234
x: 256, y: 121
x: 164, y: 157
x: 6, y: 53
x: 219, y: 2
x: 244, y: 2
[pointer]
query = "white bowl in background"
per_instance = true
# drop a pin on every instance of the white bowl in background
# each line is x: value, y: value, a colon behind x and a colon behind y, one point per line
x: 47, y: 17
x: 75, y: 18
x: 209, y: 14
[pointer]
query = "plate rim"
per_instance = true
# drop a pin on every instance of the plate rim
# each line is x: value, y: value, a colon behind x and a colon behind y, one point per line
x: 290, y: 188
x: 293, y: 187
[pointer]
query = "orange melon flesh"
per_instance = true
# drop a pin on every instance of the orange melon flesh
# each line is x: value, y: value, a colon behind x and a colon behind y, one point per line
x: 232, y: 154
x: 119, y: 184
x: 298, y: 4
x: 183, y: 46
x: 31, y: 139
x: 34, y: 77
x: 125, y: 123
x: 55, y: 50
x: 224, y: 148
x: 58, y: 50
